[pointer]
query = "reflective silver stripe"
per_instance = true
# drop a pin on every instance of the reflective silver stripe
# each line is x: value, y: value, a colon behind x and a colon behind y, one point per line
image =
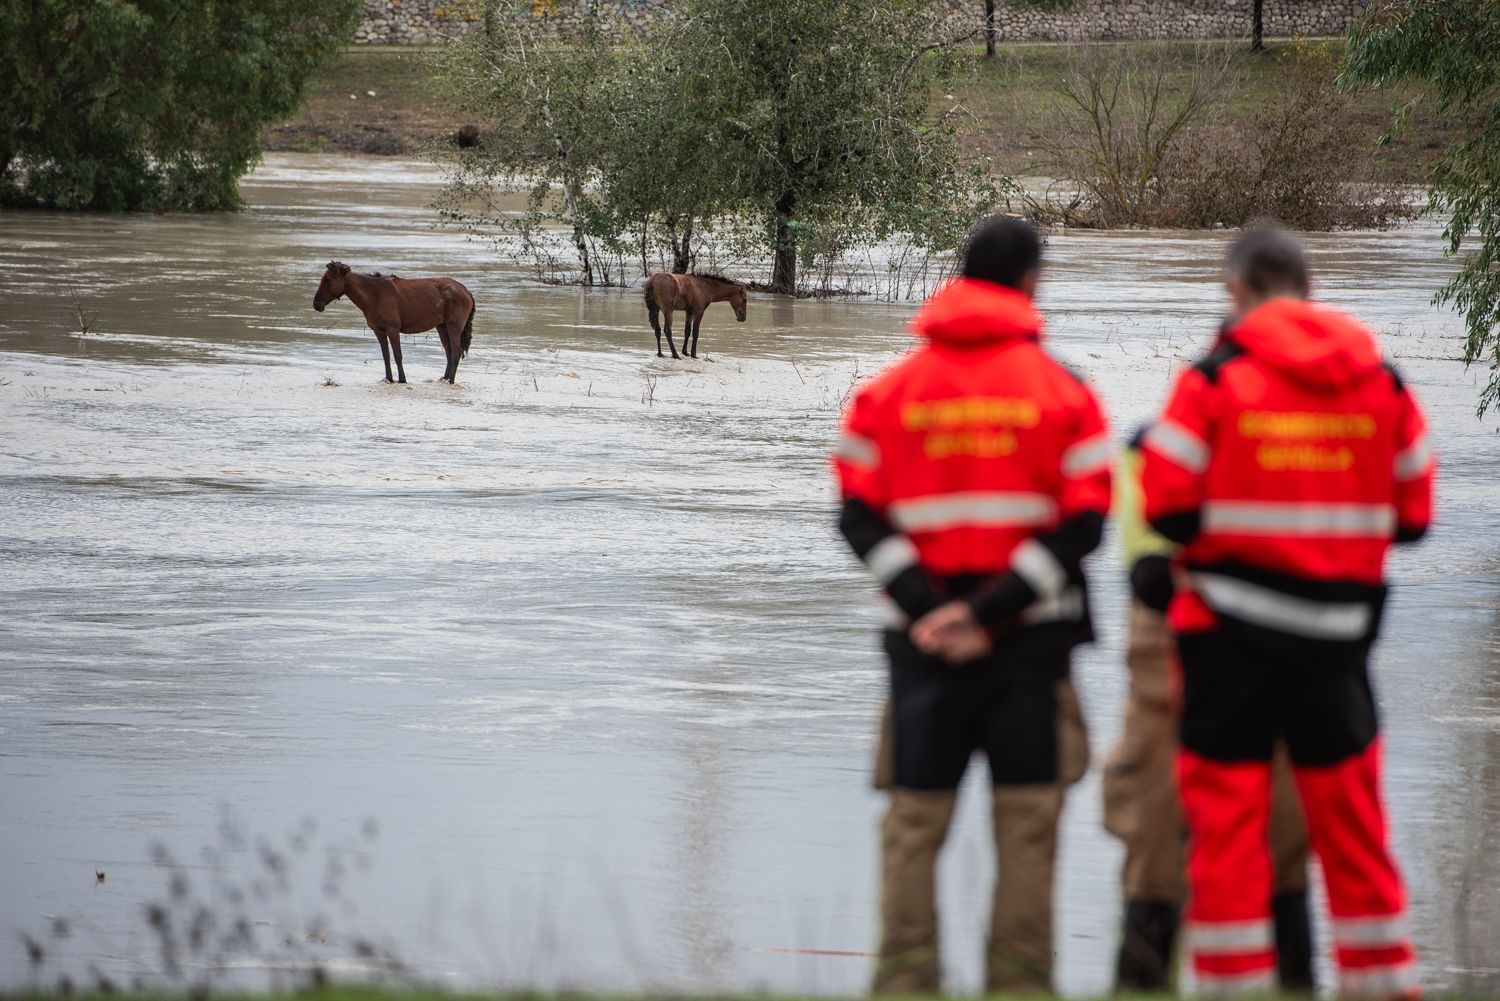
x: 891, y: 615
x: 1087, y: 456
x: 890, y: 556
x: 1298, y: 518
x: 1262, y: 606
x: 1378, y: 981
x: 1035, y: 564
x: 987, y: 510
x: 1412, y: 460
x: 858, y: 450
x: 1221, y: 938
x: 1178, y: 444
x: 1065, y: 607
x: 1371, y: 933
x: 1218, y: 985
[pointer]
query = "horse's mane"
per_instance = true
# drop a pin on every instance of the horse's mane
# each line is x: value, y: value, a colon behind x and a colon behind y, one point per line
x: 720, y: 279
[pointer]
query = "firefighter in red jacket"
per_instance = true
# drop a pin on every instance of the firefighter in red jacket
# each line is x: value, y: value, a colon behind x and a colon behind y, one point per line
x: 975, y: 477
x: 1286, y: 464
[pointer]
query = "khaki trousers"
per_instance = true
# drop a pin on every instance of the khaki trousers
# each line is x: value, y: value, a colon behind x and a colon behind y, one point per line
x: 1141, y: 803
x: 1019, y: 950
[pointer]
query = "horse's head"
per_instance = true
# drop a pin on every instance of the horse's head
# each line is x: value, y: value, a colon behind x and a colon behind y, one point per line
x: 332, y: 285
x: 737, y: 301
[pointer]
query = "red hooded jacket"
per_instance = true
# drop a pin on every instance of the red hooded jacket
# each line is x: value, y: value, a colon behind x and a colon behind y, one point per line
x: 975, y: 443
x: 1289, y: 461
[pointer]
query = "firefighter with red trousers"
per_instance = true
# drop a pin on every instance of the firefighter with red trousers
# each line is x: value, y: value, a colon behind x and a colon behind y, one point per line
x: 1286, y: 464
x: 975, y: 477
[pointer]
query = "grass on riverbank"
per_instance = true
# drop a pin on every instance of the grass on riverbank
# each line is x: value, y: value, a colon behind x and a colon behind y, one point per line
x: 386, y: 101
x: 1013, y: 100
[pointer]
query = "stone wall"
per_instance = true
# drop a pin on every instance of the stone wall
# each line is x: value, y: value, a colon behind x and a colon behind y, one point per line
x: 418, y: 22
x: 1106, y: 19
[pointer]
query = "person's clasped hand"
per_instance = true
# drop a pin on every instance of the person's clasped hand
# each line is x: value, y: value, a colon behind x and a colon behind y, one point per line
x: 951, y: 632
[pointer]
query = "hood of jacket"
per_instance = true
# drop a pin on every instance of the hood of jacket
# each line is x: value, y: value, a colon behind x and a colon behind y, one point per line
x: 1310, y: 344
x: 967, y: 311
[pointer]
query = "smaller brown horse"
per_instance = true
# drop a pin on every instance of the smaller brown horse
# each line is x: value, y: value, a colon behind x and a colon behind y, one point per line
x: 395, y: 306
x: 692, y: 294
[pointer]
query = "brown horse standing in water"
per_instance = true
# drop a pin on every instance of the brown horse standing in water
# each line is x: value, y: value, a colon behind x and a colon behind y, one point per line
x: 395, y: 306
x: 692, y: 294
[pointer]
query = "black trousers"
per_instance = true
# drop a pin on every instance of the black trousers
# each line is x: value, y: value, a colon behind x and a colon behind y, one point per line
x: 1004, y: 705
x: 1241, y: 694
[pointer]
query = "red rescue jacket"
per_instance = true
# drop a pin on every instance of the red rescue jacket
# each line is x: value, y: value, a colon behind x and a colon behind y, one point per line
x: 978, y: 440
x: 1288, y: 462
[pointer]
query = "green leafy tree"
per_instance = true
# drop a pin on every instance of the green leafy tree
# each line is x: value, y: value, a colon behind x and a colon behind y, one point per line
x: 551, y: 109
x: 1449, y: 46
x: 153, y: 104
x: 793, y: 126
x: 823, y: 107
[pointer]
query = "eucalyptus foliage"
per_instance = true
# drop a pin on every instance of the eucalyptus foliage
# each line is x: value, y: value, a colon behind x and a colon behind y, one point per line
x: 822, y: 109
x: 1450, y: 47
x: 550, y: 111
x: 798, y: 129
x: 153, y: 104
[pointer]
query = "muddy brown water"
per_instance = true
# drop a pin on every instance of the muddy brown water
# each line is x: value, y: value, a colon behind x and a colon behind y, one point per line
x: 576, y: 636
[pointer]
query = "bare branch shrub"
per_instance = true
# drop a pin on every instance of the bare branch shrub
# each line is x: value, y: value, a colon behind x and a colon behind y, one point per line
x: 1301, y: 160
x: 1142, y: 139
x: 1122, y: 110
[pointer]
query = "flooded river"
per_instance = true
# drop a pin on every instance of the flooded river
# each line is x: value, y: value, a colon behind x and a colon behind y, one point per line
x: 562, y: 674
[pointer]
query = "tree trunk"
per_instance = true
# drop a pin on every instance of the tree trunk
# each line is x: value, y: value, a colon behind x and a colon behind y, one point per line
x: 682, y: 245
x: 989, y: 28
x: 1257, y: 26
x: 784, y: 272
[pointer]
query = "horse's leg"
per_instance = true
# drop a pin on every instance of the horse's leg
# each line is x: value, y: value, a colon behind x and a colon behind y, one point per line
x: 396, y: 347
x: 449, y: 353
x: 455, y: 349
x: 385, y: 352
x: 667, y: 318
x: 656, y: 328
x: 697, y: 326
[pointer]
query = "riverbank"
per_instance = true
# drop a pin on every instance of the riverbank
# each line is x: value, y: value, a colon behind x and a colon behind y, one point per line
x: 387, y: 101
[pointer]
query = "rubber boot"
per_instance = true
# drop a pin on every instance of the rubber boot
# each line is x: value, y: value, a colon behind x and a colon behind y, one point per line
x: 911, y: 837
x: 1150, y: 932
x: 1294, y: 943
x: 1019, y: 957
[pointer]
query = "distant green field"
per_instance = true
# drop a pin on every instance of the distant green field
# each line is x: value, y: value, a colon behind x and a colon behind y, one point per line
x: 1008, y: 101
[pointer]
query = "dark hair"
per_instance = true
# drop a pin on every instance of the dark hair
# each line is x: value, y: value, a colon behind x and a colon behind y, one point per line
x: 1269, y: 261
x: 1001, y: 249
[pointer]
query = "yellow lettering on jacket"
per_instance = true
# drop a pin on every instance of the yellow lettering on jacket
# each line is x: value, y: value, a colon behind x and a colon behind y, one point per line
x: 1305, y: 425
x: 981, y: 427
x: 1304, y: 441
x: 971, y: 412
x: 979, y: 444
x: 1278, y: 458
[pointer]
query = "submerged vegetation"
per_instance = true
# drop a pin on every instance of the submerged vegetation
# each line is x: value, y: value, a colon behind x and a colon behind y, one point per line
x: 1141, y: 137
x: 786, y: 130
x: 797, y: 137
x: 154, y: 105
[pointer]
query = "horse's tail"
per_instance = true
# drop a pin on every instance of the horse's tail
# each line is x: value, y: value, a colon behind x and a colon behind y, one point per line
x: 652, y: 309
x: 468, y: 335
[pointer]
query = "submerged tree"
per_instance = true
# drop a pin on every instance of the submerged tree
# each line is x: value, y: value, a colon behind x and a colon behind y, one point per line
x: 824, y: 109
x: 804, y: 125
x: 549, y: 111
x: 1449, y: 46
x: 155, y: 104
